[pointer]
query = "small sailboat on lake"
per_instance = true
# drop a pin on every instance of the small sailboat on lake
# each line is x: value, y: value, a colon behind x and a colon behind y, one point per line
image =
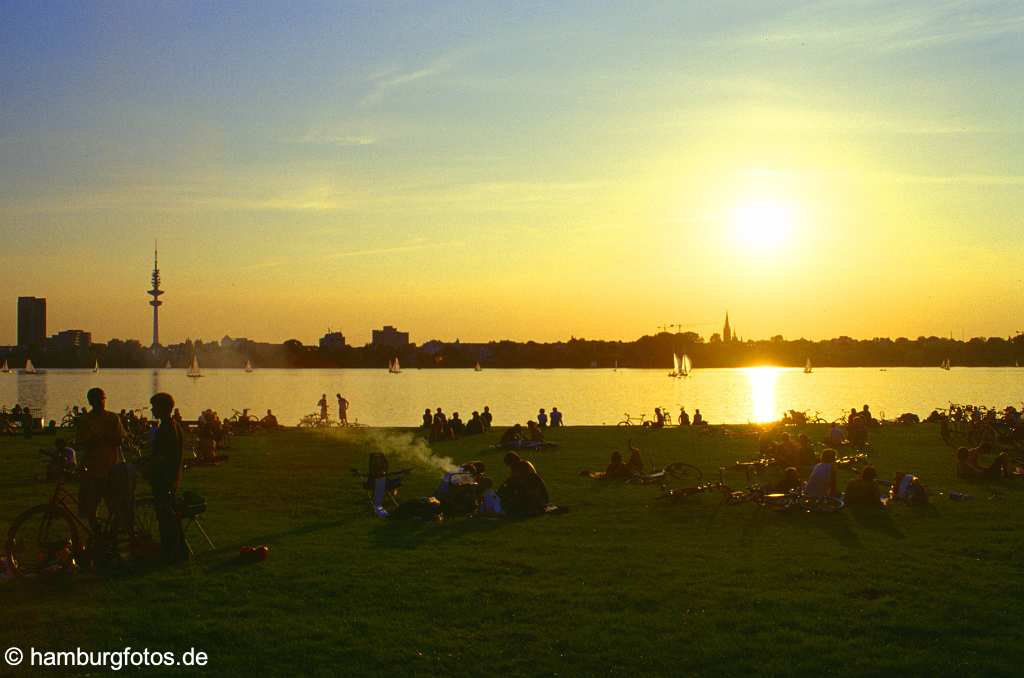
x: 248, y: 366
x: 29, y: 368
x: 675, y: 365
x: 96, y: 367
x: 167, y: 365
x: 394, y: 367
x: 193, y: 369
x: 477, y: 368
x: 685, y: 365
x: 807, y: 367
x: 945, y: 364
x: 5, y: 369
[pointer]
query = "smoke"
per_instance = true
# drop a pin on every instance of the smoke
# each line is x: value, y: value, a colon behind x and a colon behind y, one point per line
x: 409, y: 447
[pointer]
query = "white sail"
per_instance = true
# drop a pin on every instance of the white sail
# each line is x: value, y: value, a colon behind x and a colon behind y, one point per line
x: 675, y: 365
x: 807, y: 367
x: 945, y: 364
x: 29, y: 367
x: 478, y: 368
x: 394, y: 367
x: 616, y: 365
x: 248, y: 366
x: 685, y: 365
x: 193, y: 370
x: 96, y: 367
x: 5, y: 368
x: 167, y: 365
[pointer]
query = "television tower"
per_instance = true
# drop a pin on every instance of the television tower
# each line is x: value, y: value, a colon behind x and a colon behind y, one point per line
x: 156, y: 303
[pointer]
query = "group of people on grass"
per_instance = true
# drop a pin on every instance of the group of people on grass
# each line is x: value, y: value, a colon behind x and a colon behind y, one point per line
x: 468, y: 490
x: 438, y: 426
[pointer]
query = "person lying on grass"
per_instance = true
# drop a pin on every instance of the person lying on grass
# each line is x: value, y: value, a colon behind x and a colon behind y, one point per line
x: 863, y: 491
x: 536, y: 435
x: 968, y: 463
x: 822, y: 481
x: 907, y: 487
x: 524, y: 492
x: 511, y: 436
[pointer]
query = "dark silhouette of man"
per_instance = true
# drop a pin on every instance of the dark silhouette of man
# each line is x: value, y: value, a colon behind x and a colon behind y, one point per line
x: 99, y: 435
x: 164, y: 470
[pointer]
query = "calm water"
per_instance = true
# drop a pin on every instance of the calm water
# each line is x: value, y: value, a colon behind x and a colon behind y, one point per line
x: 584, y: 396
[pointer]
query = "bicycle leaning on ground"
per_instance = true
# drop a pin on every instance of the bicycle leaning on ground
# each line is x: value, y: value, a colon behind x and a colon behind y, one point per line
x: 51, y: 537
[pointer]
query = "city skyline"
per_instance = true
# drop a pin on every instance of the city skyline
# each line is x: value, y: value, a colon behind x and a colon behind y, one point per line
x: 488, y: 171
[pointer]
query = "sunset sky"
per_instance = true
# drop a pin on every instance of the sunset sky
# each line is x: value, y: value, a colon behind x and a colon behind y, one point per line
x: 524, y: 170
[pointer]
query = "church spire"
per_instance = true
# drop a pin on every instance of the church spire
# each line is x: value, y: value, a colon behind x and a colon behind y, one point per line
x: 726, y: 331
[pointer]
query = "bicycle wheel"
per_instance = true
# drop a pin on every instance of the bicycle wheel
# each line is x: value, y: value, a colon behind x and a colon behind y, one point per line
x: 624, y: 423
x: 682, y: 471
x: 776, y: 501
x: 43, y: 538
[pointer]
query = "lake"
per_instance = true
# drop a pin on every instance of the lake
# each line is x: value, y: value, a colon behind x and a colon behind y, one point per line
x: 597, y: 396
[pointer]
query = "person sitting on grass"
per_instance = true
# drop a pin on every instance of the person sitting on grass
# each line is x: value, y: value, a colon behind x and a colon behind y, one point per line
x: 805, y: 451
x: 635, y: 465
x: 475, y: 425
x: 556, y: 418
x: 698, y: 418
x: 968, y: 463
x: 907, y: 487
x: 524, y: 494
x: 684, y: 417
x: 542, y: 418
x: 536, y: 435
x: 858, y: 431
x: 269, y: 421
x: 659, y: 419
x: 835, y: 435
x: 512, y: 436
x: 863, y: 491
x: 428, y: 419
x: 790, y: 480
x: 822, y: 481
x: 455, y: 425
x: 616, y: 469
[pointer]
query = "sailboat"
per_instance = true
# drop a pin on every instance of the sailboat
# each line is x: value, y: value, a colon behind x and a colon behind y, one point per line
x: 675, y: 366
x: 477, y: 368
x: 807, y: 367
x: 945, y: 364
x: 5, y: 369
x: 167, y: 365
x: 193, y: 370
x: 394, y: 367
x: 29, y: 367
x: 96, y: 367
x: 248, y: 366
x: 685, y: 365
x: 616, y: 368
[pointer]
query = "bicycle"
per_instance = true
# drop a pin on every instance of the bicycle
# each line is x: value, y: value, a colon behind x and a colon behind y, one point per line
x: 642, y: 420
x: 314, y: 420
x: 50, y: 537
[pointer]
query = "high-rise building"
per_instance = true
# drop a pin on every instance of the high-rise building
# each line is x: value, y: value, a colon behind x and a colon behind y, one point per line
x: 70, y: 339
x: 155, y: 292
x: 390, y: 337
x: 31, y: 321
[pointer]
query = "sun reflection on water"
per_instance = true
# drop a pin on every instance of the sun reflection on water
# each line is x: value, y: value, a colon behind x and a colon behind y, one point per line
x: 762, y: 393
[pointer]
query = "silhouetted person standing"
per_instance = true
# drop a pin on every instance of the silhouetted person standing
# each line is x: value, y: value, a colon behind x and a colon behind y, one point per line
x: 323, y: 407
x: 164, y: 469
x: 342, y: 409
x: 99, y: 437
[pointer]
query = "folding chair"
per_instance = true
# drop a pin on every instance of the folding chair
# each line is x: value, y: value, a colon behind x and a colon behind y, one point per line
x: 380, y: 484
x: 188, y: 506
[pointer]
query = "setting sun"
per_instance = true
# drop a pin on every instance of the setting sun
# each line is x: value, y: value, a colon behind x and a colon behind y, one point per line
x: 763, y: 223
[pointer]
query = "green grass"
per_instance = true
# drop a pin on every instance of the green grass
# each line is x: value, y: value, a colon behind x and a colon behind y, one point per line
x: 622, y: 584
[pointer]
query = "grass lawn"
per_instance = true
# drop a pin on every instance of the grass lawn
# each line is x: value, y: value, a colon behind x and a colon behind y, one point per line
x: 622, y: 584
